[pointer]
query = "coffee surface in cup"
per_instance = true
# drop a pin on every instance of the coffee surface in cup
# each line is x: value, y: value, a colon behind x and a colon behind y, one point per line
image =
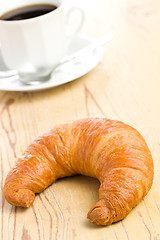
x: 26, y: 12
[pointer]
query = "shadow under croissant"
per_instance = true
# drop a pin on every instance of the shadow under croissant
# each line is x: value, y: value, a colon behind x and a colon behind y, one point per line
x: 71, y: 188
x: 76, y: 190
x: 76, y: 193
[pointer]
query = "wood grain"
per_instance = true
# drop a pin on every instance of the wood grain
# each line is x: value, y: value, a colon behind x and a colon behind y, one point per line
x: 124, y: 86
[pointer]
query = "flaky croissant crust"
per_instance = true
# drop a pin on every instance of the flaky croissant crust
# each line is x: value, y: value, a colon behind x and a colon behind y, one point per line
x: 109, y: 150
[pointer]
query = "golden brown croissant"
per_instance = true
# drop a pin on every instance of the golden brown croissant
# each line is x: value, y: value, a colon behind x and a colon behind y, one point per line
x: 111, y: 151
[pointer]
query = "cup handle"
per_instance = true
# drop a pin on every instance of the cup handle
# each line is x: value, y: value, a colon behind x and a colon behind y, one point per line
x: 78, y: 28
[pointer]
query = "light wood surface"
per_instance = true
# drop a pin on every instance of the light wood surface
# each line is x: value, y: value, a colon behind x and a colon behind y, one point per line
x: 124, y: 86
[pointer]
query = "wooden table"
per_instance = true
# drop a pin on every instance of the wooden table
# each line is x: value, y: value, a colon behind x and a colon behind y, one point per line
x: 124, y: 86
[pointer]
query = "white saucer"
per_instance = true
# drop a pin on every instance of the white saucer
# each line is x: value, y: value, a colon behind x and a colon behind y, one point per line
x: 64, y: 73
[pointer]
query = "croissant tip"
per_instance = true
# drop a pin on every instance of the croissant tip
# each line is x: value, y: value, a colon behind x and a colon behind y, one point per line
x: 100, y: 214
x: 21, y: 197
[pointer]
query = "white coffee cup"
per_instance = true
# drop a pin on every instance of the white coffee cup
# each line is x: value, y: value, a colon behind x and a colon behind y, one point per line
x: 34, y: 46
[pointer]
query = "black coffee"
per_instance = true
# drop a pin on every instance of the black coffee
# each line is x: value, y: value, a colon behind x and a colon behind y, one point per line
x: 26, y: 12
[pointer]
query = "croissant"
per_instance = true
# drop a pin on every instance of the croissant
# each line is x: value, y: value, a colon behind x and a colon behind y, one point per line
x: 109, y: 150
